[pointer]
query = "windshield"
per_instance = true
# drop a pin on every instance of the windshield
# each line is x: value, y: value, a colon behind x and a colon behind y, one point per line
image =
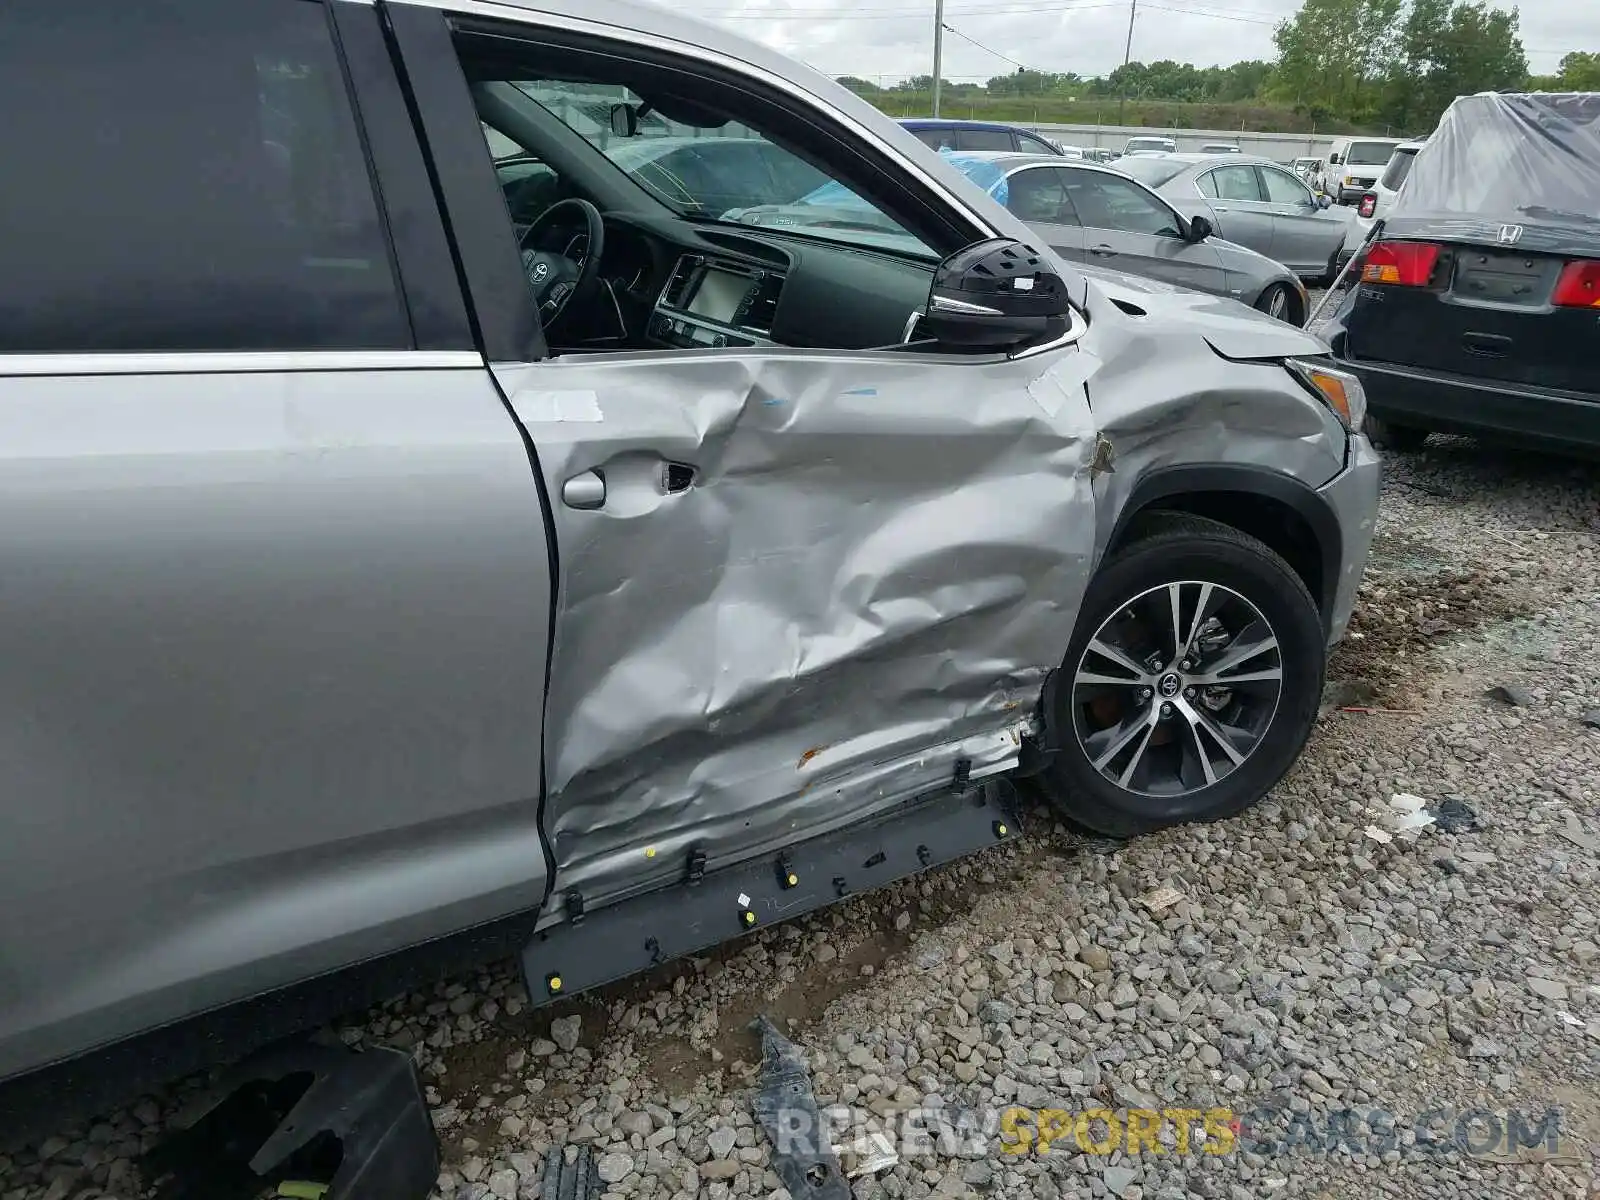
x: 730, y: 172
x: 1151, y: 171
x: 1149, y: 143
x: 1399, y: 167
x: 1369, y: 154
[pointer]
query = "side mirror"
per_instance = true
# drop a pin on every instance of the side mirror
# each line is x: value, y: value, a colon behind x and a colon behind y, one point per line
x: 624, y: 121
x: 1333, y: 160
x: 1324, y: 201
x: 1199, y: 229
x: 996, y: 295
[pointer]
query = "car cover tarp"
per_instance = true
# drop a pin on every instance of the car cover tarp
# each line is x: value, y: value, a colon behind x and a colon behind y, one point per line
x: 1508, y: 169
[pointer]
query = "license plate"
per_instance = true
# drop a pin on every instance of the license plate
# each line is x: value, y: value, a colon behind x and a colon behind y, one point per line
x: 1492, y: 277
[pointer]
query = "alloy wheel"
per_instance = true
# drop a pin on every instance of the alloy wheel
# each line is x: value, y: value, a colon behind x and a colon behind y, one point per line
x: 1177, y: 689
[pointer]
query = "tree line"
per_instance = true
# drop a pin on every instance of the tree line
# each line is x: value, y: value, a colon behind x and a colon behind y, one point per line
x: 1350, y: 64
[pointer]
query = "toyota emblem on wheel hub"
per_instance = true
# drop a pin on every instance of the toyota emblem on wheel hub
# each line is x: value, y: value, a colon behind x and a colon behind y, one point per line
x: 1170, y: 685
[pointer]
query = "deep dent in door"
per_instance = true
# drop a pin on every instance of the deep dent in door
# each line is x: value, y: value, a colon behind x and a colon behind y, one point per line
x: 875, y: 564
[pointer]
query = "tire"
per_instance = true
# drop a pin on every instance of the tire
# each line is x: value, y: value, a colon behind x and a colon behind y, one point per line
x: 1282, y: 297
x: 1178, y: 549
x: 1407, y: 439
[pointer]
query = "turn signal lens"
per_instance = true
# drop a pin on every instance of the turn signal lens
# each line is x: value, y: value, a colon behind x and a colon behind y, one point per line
x: 1339, y: 390
x: 1407, y: 264
x: 1579, y: 286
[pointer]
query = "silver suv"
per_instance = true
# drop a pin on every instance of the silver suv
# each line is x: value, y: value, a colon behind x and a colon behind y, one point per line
x: 395, y: 581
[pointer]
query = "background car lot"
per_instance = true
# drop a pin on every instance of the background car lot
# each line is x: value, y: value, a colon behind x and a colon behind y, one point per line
x: 1306, y: 963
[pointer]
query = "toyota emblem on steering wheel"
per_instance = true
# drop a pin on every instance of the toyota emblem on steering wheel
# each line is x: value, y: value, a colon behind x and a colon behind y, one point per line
x: 540, y: 270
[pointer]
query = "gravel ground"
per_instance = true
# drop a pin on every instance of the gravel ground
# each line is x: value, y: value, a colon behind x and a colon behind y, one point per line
x: 1297, y: 969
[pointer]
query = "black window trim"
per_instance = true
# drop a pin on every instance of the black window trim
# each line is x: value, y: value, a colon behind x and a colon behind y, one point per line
x: 425, y: 268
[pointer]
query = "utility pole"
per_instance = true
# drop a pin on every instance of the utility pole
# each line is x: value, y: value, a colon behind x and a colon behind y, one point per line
x: 1127, y: 55
x: 938, y: 50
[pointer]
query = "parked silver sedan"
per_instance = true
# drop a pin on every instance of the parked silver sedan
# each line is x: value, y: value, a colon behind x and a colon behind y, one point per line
x: 1100, y: 216
x: 1254, y: 202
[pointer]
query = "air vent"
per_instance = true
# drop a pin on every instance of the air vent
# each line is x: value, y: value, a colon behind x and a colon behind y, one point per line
x: 1133, y: 310
x: 763, y: 309
x: 676, y: 294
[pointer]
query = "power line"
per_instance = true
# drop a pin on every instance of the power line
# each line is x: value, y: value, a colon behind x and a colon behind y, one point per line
x: 987, y: 49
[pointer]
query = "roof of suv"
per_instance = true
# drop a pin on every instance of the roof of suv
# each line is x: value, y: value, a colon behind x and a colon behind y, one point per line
x: 954, y: 123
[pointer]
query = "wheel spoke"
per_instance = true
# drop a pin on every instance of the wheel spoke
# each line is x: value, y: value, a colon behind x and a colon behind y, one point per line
x: 1252, y: 642
x: 1122, y: 658
x: 1138, y: 754
x: 1200, y: 613
x: 1120, y: 736
x: 1199, y: 719
x: 1090, y: 677
x: 1175, y: 602
x: 1198, y: 746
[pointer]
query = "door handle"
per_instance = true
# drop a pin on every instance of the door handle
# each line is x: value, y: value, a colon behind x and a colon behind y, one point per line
x: 1220, y: 208
x: 1103, y: 252
x: 585, y: 491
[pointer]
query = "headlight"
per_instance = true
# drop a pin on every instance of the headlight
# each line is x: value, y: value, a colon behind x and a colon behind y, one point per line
x: 1339, y: 390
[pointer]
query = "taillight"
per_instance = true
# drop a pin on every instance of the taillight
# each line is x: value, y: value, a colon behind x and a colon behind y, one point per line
x: 1368, y: 203
x: 1406, y: 264
x: 1579, y: 286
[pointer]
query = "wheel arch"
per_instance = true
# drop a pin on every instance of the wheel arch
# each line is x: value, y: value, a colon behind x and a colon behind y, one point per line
x: 1286, y: 514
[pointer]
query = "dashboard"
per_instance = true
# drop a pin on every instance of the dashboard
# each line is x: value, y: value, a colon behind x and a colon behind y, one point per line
x: 677, y: 284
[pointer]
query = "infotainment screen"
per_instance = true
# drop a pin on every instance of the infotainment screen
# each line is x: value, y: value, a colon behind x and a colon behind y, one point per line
x: 718, y: 296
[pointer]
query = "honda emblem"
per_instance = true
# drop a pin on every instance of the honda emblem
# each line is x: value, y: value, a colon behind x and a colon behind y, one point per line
x: 1510, y: 235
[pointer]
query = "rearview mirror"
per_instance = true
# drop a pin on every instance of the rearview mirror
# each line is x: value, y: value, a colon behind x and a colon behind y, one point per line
x: 624, y: 120
x: 1333, y: 160
x: 1199, y: 229
x: 996, y: 295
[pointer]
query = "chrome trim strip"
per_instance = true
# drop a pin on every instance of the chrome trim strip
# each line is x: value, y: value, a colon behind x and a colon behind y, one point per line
x: 539, y: 18
x: 233, y: 363
x: 1076, y: 328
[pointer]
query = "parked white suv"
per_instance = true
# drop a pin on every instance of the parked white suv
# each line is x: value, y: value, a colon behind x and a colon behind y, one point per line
x: 1380, y: 198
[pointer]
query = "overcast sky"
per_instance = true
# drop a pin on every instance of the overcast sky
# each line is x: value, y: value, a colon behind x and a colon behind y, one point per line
x: 894, y: 38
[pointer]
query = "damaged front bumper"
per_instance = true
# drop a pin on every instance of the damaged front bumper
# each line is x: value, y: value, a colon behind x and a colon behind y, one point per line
x: 1353, y: 496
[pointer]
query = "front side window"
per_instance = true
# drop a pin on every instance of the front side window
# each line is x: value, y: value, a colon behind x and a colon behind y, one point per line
x: 936, y: 139
x: 189, y: 177
x: 1105, y: 201
x: 729, y: 171
x: 1284, y: 188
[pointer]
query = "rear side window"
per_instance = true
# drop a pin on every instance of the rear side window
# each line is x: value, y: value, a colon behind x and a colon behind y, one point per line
x: 1397, y: 170
x: 984, y: 139
x: 189, y: 177
x: 1232, y: 183
x: 939, y: 139
x: 1034, y: 145
x: 1040, y: 194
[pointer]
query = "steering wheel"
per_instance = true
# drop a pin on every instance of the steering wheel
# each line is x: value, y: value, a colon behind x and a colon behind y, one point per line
x: 557, y: 278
